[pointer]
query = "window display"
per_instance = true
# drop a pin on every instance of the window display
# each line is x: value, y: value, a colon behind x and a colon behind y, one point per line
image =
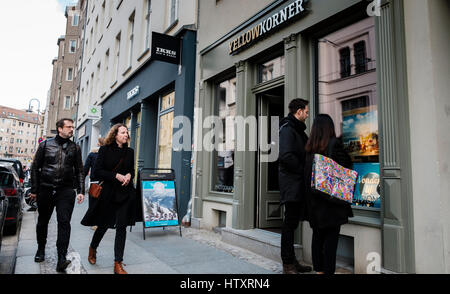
x: 347, y: 92
x: 225, y: 105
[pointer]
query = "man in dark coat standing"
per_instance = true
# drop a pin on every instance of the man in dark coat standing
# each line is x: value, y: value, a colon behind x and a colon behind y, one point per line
x: 56, y: 172
x: 291, y: 178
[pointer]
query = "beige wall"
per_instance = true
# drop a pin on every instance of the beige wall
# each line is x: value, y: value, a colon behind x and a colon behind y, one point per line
x: 22, y: 130
x: 223, y: 16
x: 61, y: 87
x: 427, y: 25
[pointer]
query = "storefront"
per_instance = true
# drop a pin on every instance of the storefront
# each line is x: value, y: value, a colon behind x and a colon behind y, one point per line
x: 148, y: 102
x: 347, y: 64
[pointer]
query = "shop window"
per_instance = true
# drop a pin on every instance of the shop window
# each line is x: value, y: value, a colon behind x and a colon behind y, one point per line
x: 168, y: 101
x: 272, y: 69
x: 353, y: 103
x: 223, y: 156
x: 166, y: 131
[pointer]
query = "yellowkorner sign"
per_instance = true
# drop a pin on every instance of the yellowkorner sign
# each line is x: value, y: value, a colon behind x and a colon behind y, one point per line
x: 269, y: 24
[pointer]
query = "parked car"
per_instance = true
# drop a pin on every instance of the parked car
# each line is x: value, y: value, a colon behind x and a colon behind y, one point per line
x: 3, y: 210
x: 17, y: 166
x: 13, y: 189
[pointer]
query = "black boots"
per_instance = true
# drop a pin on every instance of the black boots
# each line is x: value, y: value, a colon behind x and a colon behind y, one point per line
x: 40, y: 255
x: 295, y: 268
x: 63, y: 263
x: 302, y: 268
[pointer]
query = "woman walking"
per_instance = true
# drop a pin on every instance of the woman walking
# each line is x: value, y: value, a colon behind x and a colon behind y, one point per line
x: 89, y: 168
x: 116, y: 205
x: 325, y: 216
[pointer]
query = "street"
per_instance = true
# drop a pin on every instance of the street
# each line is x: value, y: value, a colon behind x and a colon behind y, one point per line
x: 163, y: 251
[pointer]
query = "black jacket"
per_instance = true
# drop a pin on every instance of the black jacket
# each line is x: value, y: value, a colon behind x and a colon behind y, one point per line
x: 117, y: 205
x: 322, y: 212
x: 57, y: 163
x: 291, y: 159
x: 89, y: 165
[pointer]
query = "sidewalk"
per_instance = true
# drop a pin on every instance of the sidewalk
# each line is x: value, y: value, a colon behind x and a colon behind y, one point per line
x: 163, y: 251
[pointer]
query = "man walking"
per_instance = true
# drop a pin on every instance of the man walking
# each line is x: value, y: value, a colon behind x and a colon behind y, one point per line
x: 292, y: 185
x: 56, y: 171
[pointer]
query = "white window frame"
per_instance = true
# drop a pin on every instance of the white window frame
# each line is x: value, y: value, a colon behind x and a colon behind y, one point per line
x: 67, y: 74
x: 70, y: 46
x: 77, y: 18
x: 148, y: 10
x: 67, y: 106
x: 131, y: 25
x: 173, y: 5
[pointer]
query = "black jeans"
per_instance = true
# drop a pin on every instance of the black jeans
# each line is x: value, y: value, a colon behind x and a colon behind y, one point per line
x: 64, y: 201
x: 291, y: 220
x: 119, y: 243
x: 324, y: 247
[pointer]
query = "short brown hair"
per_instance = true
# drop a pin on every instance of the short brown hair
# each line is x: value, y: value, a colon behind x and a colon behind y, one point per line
x: 111, y: 136
x: 60, y: 123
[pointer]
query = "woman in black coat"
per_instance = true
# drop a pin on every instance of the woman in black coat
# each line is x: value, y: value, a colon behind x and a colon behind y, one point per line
x: 116, y: 206
x: 325, y: 216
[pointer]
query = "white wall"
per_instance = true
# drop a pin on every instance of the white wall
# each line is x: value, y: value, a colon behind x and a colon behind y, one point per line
x: 427, y: 26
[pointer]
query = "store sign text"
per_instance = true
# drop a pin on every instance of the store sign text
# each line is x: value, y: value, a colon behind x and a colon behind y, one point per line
x: 133, y: 93
x: 267, y: 25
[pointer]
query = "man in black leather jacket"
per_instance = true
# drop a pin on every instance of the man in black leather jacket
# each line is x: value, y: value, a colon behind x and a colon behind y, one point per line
x: 56, y: 172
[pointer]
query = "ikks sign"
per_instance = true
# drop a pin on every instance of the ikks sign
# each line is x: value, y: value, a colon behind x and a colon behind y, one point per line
x: 133, y: 93
x: 165, y: 48
x: 266, y: 26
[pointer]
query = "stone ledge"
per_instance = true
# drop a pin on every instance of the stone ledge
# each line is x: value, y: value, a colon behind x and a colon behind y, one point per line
x: 261, y: 242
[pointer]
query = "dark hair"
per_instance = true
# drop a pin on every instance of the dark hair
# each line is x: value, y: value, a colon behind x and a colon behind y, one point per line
x: 321, y: 132
x: 297, y: 104
x: 60, y: 123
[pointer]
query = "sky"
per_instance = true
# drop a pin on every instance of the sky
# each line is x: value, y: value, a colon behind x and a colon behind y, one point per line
x: 29, y: 30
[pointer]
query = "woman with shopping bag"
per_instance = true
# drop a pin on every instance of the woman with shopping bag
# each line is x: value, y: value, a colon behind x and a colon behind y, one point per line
x: 325, y: 214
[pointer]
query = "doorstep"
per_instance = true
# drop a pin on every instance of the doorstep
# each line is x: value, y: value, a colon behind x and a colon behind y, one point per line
x: 264, y: 243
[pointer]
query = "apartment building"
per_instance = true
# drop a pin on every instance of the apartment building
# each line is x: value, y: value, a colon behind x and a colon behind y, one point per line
x: 61, y: 100
x: 123, y: 81
x: 381, y: 72
x: 20, y: 131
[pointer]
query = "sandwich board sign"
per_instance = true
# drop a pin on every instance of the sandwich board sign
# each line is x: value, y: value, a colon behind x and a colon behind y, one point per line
x: 159, y: 198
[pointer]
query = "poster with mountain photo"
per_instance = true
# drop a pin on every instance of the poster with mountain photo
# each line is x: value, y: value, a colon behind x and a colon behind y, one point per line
x: 360, y: 134
x: 159, y: 204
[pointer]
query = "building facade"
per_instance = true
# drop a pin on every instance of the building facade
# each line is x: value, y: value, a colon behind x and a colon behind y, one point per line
x: 123, y: 82
x: 61, y: 100
x: 20, y: 131
x: 378, y: 71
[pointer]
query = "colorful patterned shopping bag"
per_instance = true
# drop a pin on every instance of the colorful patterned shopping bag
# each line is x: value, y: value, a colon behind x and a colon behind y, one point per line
x: 333, y: 179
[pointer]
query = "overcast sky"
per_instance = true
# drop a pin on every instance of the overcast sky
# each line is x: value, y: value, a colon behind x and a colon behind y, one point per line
x: 29, y: 33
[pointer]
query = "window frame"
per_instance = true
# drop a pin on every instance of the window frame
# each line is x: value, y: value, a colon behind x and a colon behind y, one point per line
x: 161, y: 113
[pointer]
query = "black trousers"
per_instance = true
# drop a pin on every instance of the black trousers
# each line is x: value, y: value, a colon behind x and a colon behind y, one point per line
x: 291, y: 220
x: 324, y: 247
x: 64, y: 201
x: 119, y: 242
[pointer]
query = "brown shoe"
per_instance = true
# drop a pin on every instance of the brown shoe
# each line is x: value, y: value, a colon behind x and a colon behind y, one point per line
x: 92, y: 258
x: 290, y: 269
x: 118, y: 268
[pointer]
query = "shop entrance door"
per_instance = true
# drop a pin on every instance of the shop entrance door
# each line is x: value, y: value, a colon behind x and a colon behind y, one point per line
x: 269, y: 213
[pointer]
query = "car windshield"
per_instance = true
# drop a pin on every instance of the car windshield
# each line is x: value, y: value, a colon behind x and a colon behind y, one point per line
x: 6, y: 179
